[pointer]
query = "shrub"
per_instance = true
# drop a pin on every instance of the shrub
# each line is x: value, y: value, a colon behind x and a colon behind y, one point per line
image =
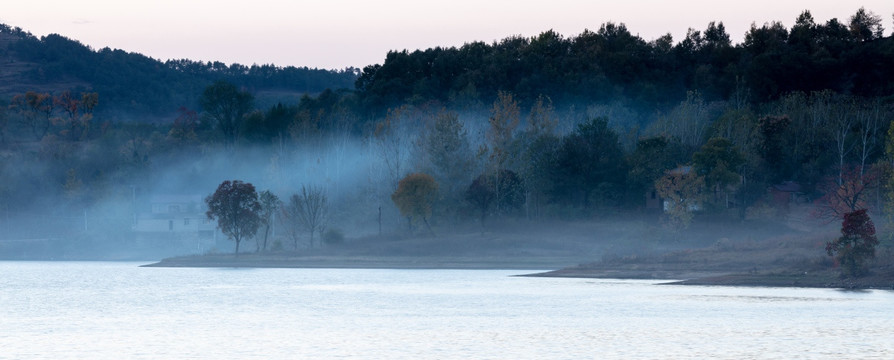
x: 277, y: 246
x: 333, y: 236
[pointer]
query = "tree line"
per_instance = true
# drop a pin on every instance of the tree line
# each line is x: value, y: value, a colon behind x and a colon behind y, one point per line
x: 240, y: 211
x: 610, y: 63
x: 538, y: 128
x: 698, y: 159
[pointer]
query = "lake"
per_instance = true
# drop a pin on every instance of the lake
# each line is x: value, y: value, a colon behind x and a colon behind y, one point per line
x: 96, y: 310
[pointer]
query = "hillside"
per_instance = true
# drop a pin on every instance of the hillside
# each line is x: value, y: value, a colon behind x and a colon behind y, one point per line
x: 16, y: 72
x: 134, y: 85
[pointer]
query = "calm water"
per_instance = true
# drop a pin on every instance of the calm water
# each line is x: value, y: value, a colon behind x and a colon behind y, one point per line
x: 118, y: 310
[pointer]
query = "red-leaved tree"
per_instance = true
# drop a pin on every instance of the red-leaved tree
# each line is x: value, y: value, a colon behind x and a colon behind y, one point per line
x: 856, y: 244
x: 852, y: 193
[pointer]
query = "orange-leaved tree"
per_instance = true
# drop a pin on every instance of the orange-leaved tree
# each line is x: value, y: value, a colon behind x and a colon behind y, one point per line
x: 414, y: 197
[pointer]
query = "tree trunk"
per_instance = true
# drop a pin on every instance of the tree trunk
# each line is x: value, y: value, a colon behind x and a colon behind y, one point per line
x: 266, y: 231
x: 425, y: 220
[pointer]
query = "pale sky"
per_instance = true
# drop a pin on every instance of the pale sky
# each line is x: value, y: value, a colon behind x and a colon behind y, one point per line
x: 335, y: 34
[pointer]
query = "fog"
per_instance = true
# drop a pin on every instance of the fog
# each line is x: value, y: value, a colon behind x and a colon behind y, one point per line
x: 56, y: 225
x: 135, y: 192
x: 54, y: 210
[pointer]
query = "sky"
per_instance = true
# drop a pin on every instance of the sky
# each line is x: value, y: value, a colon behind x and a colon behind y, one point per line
x: 335, y: 34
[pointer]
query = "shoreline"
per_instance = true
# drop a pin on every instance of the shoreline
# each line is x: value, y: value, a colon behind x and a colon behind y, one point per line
x: 674, y: 275
x: 366, y: 262
x: 824, y: 279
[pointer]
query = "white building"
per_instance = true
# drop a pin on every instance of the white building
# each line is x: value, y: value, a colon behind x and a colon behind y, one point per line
x: 179, y: 216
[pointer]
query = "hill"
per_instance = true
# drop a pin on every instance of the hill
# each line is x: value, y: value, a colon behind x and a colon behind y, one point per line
x: 134, y: 85
x: 16, y: 72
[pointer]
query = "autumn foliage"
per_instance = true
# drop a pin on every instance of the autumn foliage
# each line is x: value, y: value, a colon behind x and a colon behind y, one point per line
x: 856, y: 244
x: 414, y: 197
x: 682, y: 194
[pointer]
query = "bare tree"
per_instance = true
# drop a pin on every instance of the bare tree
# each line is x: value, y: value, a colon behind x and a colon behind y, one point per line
x: 4, y: 121
x: 392, y: 140
x: 537, y: 148
x: 869, y: 120
x: 842, y: 125
x: 853, y: 193
x: 503, y: 122
x: 688, y: 121
x: 269, y: 205
x: 505, y: 117
x: 307, y: 210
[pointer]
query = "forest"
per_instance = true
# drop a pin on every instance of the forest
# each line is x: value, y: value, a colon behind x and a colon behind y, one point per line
x: 591, y: 126
x: 136, y: 87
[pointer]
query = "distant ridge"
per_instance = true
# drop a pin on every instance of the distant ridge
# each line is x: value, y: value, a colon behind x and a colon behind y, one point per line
x: 134, y: 85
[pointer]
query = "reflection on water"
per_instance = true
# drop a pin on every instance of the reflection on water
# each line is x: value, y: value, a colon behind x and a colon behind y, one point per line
x: 118, y: 310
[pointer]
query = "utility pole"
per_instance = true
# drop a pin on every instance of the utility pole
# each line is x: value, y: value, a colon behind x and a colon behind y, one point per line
x: 133, y: 205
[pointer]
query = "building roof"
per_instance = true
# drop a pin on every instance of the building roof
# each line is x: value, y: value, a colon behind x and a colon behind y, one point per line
x: 787, y: 186
x: 175, y: 199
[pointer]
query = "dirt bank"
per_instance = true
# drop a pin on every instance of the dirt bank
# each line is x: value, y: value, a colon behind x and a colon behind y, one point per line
x: 710, y: 253
x: 790, y: 262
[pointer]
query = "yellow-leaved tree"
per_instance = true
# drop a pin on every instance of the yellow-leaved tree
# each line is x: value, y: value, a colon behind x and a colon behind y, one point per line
x: 681, y: 190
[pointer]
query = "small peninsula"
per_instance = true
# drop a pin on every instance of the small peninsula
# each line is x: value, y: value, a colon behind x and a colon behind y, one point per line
x: 614, y: 248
